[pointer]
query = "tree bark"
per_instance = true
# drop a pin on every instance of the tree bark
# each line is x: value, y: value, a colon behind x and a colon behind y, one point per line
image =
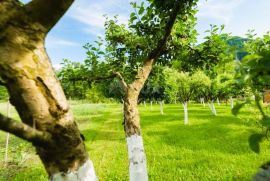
x: 136, y: 155
x: 34, y: 90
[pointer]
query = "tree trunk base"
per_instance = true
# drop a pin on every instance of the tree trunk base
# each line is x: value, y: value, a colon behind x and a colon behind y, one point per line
x: 85, y: 173
x: 137, y: 159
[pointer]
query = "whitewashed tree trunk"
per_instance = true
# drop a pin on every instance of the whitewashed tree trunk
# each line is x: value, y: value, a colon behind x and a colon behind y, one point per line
x: 218, y: 101
x: 232, y: 104
x: 85, y: 173
x: 137, y: 159
x: 144, y: 103
x: 7, y: 137
x: 203, y: 102
x: 151, y: 105
x: 212, y: 107
x: 185, y: 112
x: 161, y: 107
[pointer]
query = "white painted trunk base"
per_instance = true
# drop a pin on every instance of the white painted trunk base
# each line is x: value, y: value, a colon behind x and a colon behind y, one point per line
x: 202, y: 101
x: 185, y: 113
x: 218, y: 101
x: 85, y: 173
x: 151, y: 106
x: 232, y: 104
x: 161, y: 107
x: 212, y: 107
x: 144, y: 103
x: 137, y: 159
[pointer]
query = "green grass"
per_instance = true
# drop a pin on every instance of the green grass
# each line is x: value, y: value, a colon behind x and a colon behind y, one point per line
x: 209, y: 148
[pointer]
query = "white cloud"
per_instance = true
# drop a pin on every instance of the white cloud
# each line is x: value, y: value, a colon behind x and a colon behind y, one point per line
x: 55, y: 42
x: 222, y: 10
x: 91, y: 14
x: 57, y: 66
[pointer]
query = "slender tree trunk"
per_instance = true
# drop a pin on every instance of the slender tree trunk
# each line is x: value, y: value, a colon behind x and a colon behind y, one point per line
x: 203, y: 102
x: 185, y: 106
x: 218, y: 101
x: 161, y: 107
x: 144, y: 103
x: 212, y: 107
x: 151, y: 105
x: 136, y: 155
x: 232, y: 103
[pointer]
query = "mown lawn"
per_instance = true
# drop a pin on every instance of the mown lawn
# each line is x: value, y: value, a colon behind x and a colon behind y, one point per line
x: 209, y: 148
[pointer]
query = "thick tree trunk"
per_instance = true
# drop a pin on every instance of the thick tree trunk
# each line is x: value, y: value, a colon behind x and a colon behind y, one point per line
x: 185, y: 106
x: 136, y: 155
x: 37, y: 95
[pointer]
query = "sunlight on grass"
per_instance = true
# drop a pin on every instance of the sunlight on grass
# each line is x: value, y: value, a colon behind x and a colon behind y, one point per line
x: 209, y: 148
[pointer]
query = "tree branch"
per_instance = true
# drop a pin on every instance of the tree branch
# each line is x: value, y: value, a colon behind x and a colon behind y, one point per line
x: 47, y: 12
x: 24, y: 131
x: 121, y: 79
x: 143, y: 74
x: 161, y: 44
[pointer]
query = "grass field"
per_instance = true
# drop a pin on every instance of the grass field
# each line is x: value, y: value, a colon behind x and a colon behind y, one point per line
x: 209, y: 148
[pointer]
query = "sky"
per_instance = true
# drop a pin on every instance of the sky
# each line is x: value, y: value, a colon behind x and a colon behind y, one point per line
x: 83, y: 22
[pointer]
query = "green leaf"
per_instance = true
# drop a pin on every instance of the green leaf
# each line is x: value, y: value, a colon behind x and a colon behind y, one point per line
x: 254, y: 142
x: 141, y: 10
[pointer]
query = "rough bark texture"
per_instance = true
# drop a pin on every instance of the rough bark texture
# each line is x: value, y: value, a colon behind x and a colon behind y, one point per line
x: 34, y: 90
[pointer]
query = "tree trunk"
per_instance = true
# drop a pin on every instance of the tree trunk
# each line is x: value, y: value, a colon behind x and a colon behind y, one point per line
x: 161, y: 107
x: 185, y: 106
x: 144, y: 103
x: 212, y: 107
x: 232, y: 103
x: 136, y: 155
x: 218, y: 101
x: 202, y: 101
x: 34, y: 90
x: 151, y: 106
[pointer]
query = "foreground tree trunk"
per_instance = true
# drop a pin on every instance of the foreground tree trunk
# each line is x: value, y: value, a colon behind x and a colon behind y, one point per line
x: 27, y: 73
